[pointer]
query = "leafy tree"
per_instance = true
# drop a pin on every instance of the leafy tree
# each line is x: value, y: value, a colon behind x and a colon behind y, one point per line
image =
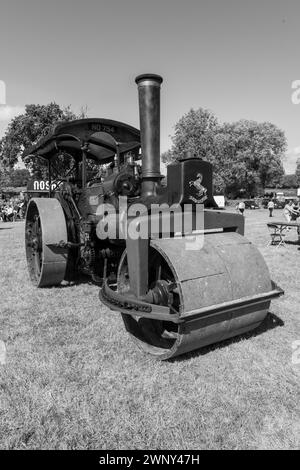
x: 195, y: 132
x: 4, y: 177
x: 14, y: 178
x: 19, y: 177
x: 245, y: 154
x: 289, y: 181
x: 260, y: 146
x: 26, y: 129
x: 167, y: 157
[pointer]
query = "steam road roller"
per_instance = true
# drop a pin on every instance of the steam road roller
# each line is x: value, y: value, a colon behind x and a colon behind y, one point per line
x: 180, y: 271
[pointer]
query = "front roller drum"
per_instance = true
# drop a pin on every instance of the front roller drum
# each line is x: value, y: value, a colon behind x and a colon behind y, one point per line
x: 45, y: 229
x: 220, y: 291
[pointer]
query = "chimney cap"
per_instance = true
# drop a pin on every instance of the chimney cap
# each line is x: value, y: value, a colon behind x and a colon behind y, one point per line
x: 149, y: 76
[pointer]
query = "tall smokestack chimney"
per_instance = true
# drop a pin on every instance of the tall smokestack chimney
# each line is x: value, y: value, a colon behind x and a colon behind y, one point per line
x: 149, y: 106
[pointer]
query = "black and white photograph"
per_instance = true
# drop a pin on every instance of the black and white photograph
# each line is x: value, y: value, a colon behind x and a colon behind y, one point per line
x: 149, y: 229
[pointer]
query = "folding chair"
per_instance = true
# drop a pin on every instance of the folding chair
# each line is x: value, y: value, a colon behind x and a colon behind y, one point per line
x: 277, y: 233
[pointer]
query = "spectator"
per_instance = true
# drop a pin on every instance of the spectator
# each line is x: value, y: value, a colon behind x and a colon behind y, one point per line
x: 289, y: 212
x: 12, y: 209
x: 241, y: 207
x: 2, y: 213
x: 10, y: 213
x: 296, y: 209
x: 271, y: 207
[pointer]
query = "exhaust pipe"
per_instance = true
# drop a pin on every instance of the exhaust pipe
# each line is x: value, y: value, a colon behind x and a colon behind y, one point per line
x: 149, y: 108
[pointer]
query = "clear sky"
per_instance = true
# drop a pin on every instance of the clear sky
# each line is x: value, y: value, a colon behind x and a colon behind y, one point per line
x: 235, y: 57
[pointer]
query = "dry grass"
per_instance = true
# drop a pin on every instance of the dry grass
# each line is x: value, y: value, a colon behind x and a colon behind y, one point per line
x: 74, y: 380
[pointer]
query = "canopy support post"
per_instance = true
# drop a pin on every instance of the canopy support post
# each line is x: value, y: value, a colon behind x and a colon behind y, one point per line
x: 49, y: 177
x: 84, y: 149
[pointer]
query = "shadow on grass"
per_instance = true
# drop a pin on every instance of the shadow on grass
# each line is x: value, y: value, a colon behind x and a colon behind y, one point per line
x: 5, y: 228
x: 291, y: 242
x: 270, y: 322
x: 77, y: 280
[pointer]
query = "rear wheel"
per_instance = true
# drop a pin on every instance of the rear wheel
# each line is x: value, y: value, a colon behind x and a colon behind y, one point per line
x: 45, y: 229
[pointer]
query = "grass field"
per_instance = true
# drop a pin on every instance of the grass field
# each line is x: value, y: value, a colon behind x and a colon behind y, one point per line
x: 74, y: 380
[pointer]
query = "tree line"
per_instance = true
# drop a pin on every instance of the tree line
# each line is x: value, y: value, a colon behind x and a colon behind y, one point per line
x: 22, y: 132
x: 246, y: 155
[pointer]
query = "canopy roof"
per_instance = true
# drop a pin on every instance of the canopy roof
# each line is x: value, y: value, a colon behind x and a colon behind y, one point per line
x: 102, y: 136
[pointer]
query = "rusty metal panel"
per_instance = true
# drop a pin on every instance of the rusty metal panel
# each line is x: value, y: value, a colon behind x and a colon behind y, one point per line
x: 206, y: 291
x: 225, y: 238
x: 190, y: 264
x: 216, y: 273
x: 247, y: 269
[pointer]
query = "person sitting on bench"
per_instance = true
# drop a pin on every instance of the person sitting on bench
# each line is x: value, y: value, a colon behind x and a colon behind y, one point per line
x: 289, y: 212
x: 296, y: 209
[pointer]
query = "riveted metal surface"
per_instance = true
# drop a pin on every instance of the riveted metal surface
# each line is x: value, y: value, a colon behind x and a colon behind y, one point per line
x: 247, y: 269
x: 227, y: 268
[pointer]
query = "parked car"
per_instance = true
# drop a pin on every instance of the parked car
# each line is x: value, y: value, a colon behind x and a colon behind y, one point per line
x: 251, y: 204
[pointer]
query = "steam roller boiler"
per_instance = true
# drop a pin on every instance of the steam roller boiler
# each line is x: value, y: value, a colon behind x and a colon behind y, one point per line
x: 179, y: 270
